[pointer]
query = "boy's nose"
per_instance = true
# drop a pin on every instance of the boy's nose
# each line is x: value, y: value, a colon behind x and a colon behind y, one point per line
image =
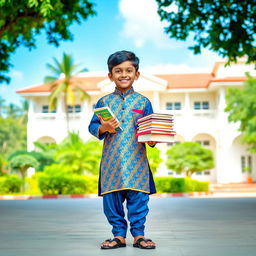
x: 124, y: 74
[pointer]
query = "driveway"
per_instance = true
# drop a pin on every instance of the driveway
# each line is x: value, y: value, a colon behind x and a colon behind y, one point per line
x: 179, y: 226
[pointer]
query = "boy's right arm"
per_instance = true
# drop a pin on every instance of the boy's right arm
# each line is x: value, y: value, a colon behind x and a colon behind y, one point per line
x: 108, y: 126
x: 99, y: 127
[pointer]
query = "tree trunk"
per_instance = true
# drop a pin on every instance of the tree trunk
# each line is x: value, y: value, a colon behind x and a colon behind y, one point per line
x: 67, y: 113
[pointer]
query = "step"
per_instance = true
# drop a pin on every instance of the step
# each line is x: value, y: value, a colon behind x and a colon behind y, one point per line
x: 233, y: 187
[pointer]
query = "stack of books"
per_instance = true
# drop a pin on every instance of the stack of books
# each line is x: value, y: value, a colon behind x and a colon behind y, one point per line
x: 156, y: 127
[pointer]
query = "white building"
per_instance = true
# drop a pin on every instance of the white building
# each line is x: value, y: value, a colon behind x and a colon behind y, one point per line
x: 197, y: 102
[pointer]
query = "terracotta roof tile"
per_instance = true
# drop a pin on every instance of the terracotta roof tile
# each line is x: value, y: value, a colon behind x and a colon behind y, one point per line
x: 184, y: 81
x: 85, y: 83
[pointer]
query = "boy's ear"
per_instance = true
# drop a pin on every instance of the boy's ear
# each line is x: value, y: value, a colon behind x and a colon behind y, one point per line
x: 137, y: 75
x: 110, y: 76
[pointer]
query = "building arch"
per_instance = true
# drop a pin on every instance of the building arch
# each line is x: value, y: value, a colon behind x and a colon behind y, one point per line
x: 241, y: 158
x: 206, y: 140
x: 47, y: 140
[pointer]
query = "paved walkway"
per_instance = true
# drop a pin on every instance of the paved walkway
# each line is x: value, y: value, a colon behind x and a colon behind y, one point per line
x: 179, y: 226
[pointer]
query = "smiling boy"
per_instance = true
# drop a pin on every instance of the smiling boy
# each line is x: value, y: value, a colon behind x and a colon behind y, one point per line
x: 124, y: 173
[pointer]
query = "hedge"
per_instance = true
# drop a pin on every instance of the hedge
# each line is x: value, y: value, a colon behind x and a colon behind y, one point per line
x: 66, y: 183
x: 60, y: 184
x: 10, y: 184
x: 174, y: 185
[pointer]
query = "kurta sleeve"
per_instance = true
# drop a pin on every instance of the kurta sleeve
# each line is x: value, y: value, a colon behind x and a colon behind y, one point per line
x: 148, y: 108
x: 95, y: 124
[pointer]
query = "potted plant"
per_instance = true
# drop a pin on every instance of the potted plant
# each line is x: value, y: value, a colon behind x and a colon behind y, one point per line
x: 248, y: 170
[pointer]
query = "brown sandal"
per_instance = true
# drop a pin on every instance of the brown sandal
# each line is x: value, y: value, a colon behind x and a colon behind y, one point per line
x: 118, y: 244
x: 138, y: 244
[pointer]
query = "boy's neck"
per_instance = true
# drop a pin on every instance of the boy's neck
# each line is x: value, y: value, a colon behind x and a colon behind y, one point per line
x: 124, y: 91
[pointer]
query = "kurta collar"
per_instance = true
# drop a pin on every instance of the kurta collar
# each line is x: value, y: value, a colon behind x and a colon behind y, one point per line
x: 123, y: 95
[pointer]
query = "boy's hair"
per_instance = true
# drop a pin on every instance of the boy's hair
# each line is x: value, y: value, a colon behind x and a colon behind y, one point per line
x: 120, y: 57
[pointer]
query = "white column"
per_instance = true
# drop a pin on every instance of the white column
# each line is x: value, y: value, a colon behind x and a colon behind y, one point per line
x: 187, y: 104
x: 31, y: 109
x: 156, y: 101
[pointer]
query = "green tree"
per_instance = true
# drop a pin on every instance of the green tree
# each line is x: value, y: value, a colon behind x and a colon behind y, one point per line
x: 154, y: 158
x: 3, y: 165
x: 22, y: 20
x: 225, y: 27
x: 79, y: 156
x: 63, y: 82
x: 189, y: 157
x: 21, y: 163
x: 43, y: 158
x: 13, y: 136
x: 241, y: 107
x: 2, y: 105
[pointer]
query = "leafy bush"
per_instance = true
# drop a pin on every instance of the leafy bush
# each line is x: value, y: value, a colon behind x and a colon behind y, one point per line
x: 10, y: 184
x: 180, y: 185
x: 57, y: 179
x: 60, y: 184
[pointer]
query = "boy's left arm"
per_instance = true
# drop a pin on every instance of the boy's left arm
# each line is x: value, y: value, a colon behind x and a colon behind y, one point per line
x: 147, y: 111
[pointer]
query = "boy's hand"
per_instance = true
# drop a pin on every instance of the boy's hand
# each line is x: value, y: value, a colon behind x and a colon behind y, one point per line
x: 108, y: 126
x: 151, y: 143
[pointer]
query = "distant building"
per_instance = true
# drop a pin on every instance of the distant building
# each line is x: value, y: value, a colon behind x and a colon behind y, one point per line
x: 197, y: 102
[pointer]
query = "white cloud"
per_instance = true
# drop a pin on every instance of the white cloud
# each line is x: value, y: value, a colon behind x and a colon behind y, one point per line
x: 16, y: 76
x: 142, y: 23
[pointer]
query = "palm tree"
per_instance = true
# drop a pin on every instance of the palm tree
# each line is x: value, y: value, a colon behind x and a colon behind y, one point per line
x: 2, y: 105
x: 63, y: 82
x: 12, y: 110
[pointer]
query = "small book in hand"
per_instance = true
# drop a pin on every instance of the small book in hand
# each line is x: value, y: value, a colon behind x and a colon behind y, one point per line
x: 105, y: 113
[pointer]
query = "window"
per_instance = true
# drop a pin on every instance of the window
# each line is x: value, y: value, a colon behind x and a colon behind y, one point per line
x: 246, y: 163
x: 205, y: 143
x: 45, y: 109
x: 77, y: 108
x: 173, y: 105
x: 201, y: 105
x: 205, y: 105
x: 177, y: 105
x: 74, y: 109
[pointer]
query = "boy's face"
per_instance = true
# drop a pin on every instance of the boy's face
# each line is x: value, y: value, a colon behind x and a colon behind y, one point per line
x: 123, y: 75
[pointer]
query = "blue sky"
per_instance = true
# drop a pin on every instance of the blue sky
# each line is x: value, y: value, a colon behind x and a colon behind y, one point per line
x: 119, y: 25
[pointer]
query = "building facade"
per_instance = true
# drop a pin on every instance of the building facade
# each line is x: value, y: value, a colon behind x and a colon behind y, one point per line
x: 197, y: 102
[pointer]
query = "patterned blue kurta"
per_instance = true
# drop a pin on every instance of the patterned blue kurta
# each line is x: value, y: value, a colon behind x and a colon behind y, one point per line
x: 124, y: 163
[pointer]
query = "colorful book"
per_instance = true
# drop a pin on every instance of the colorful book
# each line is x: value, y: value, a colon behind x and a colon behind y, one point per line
x: 156, y: 138
x: 155, y: 116
x: 105, y: 113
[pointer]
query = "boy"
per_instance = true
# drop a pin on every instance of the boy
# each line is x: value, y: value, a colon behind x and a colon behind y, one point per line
x: 124, y: 173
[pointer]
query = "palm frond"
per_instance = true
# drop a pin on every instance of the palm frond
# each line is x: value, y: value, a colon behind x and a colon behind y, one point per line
x: 53, y: 69
x: 50, y: 79
x: 82, y: 94
x: 55, y: 95
x: 70, y: 96
x: 67, y: 64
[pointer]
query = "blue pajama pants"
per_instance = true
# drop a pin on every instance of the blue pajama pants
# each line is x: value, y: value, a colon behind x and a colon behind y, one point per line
x: 137, y: 209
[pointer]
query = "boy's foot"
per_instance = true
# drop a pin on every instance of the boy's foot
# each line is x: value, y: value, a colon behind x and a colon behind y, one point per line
x: 114, y: 243
x: 143, y: 243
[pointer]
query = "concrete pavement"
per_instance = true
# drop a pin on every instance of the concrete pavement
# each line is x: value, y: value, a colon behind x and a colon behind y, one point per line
x: 179, y: 226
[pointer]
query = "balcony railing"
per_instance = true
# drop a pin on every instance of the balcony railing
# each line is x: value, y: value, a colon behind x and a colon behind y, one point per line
x: 55, y: 116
